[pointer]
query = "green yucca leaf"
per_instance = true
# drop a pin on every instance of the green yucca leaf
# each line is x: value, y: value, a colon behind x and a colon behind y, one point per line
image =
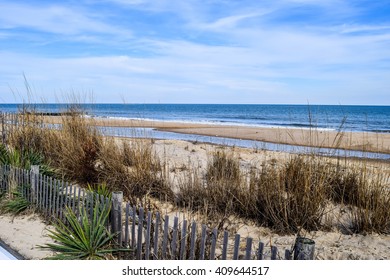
x: 85, y: 237
x: 16, y: 205
x: 101, y: 189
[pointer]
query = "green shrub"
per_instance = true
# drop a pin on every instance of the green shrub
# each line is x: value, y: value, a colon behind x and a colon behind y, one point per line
x: 85, y: 238
x: 15, y: 203
x: 101, y: 189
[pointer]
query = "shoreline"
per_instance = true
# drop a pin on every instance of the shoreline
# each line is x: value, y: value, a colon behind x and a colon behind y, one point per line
x: 317, y: 138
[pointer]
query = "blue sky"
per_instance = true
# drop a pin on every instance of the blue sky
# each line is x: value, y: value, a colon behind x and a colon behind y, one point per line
x: 192, y: 51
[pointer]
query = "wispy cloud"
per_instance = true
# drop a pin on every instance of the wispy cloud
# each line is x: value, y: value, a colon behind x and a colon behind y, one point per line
x: 57, y: 19
x: 179, y: 51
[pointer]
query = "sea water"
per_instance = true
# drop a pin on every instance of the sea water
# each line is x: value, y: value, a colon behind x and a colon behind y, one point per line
x: 321, y: 117
x: 326, y: 117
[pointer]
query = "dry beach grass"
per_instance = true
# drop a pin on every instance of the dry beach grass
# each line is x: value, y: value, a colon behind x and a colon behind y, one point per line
x: 266, y: 195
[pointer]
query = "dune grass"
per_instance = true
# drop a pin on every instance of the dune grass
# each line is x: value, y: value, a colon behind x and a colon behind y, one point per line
x: 286, y: 196
x: 78, y: 152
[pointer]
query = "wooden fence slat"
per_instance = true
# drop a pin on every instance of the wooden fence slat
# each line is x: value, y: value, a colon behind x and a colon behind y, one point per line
x: 214, y: 237
x: 287, y: 254
x: 107, y: 202
x: 236, y: 247
x: 19, y: 186
x: 133, y: 227
x: 55, y: 196
x: 16, y: 175
x: 34, y: 183
x: 42, y: 190
x: 165, y: 237
x: 174, y: 237
x: 37, y: 191
x: 25, y: 178
x: 23, y: 184
x: 116, y: 214
x: 127, y: 213
x: 248, y: 251
x: 59, y: 190
x: 28, y: 186
x: 66, y: 196
x: 156, y: 229
x: 20, y: 177
x: 74, y: 199
x: 202, y: 243
x: 274, y: 253
x: 140, y: 229
x: 45, y: 194
x: 84, y: 200
x: 46, y: 206
x: 30, y: 190
x: 63, y: 198
x: 2, y: 178
x: 260, y: 251
x: 147, y: 237
x: 50, y: 196
x: 225, y: 244
x: 70, y: 198
x: 78, y: 202
x: 59, y: 197
x: 193, y: 240
x: 183, y: 241
x: 28, y: 182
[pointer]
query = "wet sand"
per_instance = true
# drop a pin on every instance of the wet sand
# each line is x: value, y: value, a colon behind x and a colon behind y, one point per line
x: 359, y: 141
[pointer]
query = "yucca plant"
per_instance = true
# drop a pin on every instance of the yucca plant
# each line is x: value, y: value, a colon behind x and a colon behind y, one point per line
x: 15, y: 205
x: 100, y: 189
x: 85, y: 238
x: 14, y: 201
x: 24, y: 160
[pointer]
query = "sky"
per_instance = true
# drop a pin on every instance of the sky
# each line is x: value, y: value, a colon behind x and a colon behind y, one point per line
x: 195, y: 51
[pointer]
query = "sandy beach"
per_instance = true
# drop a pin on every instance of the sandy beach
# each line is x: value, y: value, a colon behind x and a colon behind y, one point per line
x: 361, y: 141
x: 24, y: 233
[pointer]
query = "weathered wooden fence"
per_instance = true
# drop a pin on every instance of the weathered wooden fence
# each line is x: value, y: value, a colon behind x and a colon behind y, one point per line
x: 149, y: 234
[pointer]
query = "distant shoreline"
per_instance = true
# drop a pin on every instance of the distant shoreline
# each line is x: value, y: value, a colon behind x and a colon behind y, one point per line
x: 354, y: 141
x: 359, y: 118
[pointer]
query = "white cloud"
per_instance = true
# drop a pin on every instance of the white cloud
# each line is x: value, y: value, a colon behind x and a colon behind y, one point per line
x: 255, y: 59
x: 53, y: 19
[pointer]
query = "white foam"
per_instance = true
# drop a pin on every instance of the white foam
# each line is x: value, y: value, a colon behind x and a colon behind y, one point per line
x: 219, y: 123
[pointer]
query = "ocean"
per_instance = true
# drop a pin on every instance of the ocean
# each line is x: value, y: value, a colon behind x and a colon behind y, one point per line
x: 323, y: 117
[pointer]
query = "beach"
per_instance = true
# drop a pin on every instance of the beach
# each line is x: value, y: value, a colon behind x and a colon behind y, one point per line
x: 348, y: 140
x: 24, y: 233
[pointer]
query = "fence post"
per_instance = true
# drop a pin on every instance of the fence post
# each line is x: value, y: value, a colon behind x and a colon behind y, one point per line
x: 116, y: 214
x: 304, y: 248
x: 34, y: 181
x: 3, y: 132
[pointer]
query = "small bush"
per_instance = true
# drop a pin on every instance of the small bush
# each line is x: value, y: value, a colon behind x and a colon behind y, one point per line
x: 371, y: 204
x: 292, y: 196
x: 101, y: 189
x: 15, y: 203
x: 84, y: 238
x: 219, y: 192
